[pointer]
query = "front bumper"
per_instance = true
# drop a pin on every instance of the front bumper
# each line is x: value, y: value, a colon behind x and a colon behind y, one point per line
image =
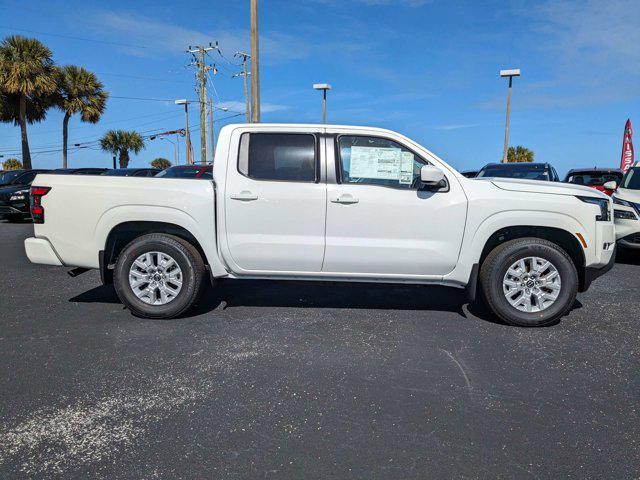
x: 39, y: 250
x: 630, y: 241
x: 591, y: 273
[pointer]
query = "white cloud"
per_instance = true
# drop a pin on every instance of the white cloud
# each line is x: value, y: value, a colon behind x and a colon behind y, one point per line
x: 236, y: 106
x: 162, y: 38
x: 592, y: 52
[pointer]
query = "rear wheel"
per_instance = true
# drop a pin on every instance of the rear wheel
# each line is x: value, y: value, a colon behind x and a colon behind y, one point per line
x: 529, y: 282
x: 159, y: 276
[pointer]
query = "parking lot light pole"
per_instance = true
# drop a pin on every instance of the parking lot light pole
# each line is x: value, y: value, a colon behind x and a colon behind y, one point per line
x: 324, y: 87
x: 185, y: 102
x: 515, y: 72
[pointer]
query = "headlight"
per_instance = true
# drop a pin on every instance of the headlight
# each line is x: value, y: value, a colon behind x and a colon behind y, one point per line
x: 19, y: 195
x: 624, y: 215
x: 619, y: 201
x: 603, y: 203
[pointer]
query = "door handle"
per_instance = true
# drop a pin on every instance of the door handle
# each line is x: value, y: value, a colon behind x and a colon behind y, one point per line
x: 345, y: 198
x: 245, y: 196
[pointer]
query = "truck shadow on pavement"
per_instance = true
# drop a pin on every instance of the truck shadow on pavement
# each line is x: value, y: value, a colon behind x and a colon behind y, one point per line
x: 340, y: 295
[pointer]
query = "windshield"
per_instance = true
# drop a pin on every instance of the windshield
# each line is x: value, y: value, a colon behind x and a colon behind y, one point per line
x: 516, y: 170
x: 118, y: 172
x: 7, y: 177
x: 631, y: 179
x: 594, y: 178
x: 179, y: 173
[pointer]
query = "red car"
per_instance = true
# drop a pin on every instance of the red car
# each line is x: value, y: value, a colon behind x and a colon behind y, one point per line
x: 204, y: 172
x: 595, y: 177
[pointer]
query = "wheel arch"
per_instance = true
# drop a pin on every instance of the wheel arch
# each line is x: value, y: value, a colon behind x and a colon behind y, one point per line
x: 564, y: 239
x: 123, y: 233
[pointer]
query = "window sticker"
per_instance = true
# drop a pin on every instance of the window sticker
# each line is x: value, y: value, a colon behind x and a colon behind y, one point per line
x: 406, y: 169
x: 376, y: 163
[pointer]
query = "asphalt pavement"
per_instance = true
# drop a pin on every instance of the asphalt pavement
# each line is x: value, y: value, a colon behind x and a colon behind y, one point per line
x: 311, y: 380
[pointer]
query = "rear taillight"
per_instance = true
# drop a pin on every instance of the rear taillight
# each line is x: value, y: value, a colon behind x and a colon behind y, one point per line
x: 37, y: 210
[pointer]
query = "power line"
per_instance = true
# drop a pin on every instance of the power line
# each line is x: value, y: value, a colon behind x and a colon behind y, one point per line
x: 4, y: 27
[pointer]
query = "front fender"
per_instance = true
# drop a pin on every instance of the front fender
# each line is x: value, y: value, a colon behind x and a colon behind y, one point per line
x: 475, y: 241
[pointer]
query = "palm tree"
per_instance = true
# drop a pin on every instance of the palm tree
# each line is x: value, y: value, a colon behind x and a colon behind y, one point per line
x: 79, y: 91
x: 519, y: 154
x: 161, y: 163
x: 121, y: 142
x: 12, y: 164
x: 26, y: 71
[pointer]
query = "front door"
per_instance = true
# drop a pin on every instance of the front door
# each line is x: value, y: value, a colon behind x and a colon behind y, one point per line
x: 275, y: 203
x: 381, y: 221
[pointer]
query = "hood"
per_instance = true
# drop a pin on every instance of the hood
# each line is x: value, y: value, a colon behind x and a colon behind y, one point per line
x: 541, y: 186
x: 628, y: 194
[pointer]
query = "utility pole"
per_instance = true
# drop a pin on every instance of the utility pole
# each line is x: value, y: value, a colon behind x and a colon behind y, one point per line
x: 245, y: 74
x: 510, y: 74
x: 187, y: 139
x: 202, y: 92
x: 255, y: 64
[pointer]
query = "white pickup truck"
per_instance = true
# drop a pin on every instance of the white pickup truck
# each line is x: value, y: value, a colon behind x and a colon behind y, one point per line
x: 324, y: 202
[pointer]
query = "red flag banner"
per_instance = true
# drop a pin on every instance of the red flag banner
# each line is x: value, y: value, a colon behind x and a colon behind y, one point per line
x: 626, y: 162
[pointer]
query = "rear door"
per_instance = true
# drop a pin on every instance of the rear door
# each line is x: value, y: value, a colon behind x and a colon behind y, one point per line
x: 275, y: 202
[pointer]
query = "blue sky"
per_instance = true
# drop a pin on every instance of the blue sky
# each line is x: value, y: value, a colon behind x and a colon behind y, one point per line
x: 425, y: 68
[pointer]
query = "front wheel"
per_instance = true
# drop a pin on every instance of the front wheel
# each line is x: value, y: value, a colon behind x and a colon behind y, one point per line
x: 529, y: 282
x: 159, y: 276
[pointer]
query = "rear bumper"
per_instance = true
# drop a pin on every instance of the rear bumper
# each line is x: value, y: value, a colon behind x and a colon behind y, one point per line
x: 591, y: 273
x: 39, y: 250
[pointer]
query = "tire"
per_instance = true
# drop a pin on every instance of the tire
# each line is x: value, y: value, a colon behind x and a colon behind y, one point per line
x: 493, y: 274
x: 189, y: 262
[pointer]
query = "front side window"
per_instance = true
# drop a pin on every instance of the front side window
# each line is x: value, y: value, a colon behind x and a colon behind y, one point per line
x: 278, y: 156
x: 378, y: 161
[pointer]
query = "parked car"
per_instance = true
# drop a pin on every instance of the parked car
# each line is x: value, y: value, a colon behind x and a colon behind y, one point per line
x: 204, y: 172
x: 626, y: 201
x: 80, y: 171
x: 133, y: 172
x: 470, y: 173
x: 328, y: 203
x: 7, y: 175
x: 595, y: 177
x: 14, y: 197
x: 528, y: 171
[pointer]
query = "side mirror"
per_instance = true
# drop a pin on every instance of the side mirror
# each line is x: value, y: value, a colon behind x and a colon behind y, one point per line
x: 431, y: 176
x: 610, y: 185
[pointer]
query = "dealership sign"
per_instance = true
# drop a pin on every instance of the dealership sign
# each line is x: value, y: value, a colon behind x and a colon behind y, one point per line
x: 626, y: 162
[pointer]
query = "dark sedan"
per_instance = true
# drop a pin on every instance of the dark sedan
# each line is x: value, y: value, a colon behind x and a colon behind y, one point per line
x: 14, y: 197
x: 80, y: 171
x: 528, y: 171
x: 6, y: 176
x: 133, y: 172
x: 204, y: 172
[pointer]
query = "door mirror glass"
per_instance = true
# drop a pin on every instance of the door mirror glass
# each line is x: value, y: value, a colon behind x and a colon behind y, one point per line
x: 431, y: 176
x: 610, y: 185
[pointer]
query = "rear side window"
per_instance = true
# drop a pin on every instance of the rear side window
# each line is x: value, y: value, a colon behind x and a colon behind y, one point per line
x: 278, y: 156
